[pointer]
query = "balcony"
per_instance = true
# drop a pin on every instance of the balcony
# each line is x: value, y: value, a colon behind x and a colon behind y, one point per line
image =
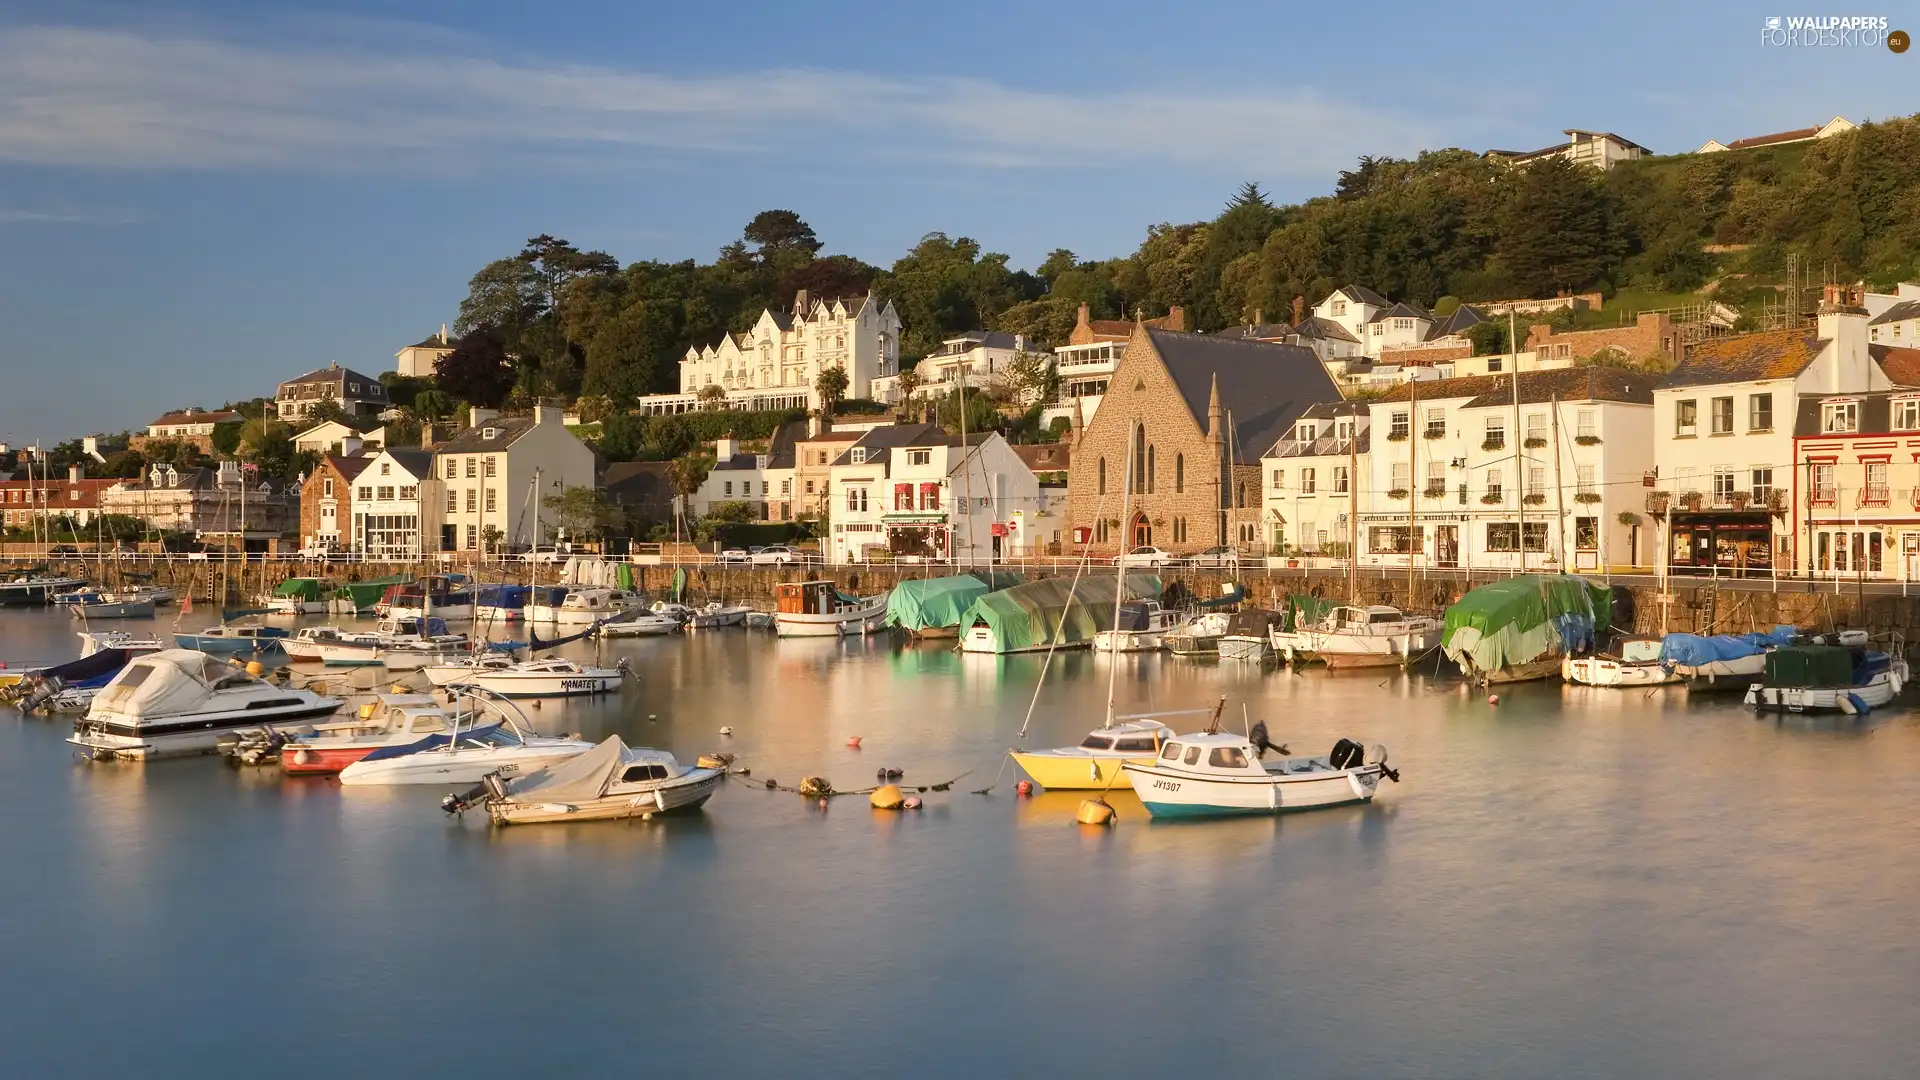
x: 1872, y: 495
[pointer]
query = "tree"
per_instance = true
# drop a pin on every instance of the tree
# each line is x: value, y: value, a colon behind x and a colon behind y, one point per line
x: 833, y: 276
x: 402, y: 389
x: 1057, y: 262
x: 1556, y: 231
x: 1029, y: 376
x: 712, y: 396
x: 908, y: 381
x: 503, y: 299
x: 129, y: 464
x: 777, y: 231
x: 831, y: 385
x: 476, y: 371
x: 585, y: 510
x: 225, y: 438
x: 624, y: 357
x: 324, y: 411
x: 722, y: 514
x: 981, y: 415
x: 433, y: 405
x: 621, y: 436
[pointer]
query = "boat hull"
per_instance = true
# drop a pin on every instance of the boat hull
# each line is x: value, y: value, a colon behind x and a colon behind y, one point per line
x: 1875, y: 692
x: 455, y: 767
x: 1606, y: 671
x: 1076, y: 772
x: 1355, y: 650
x: 321, y: 760
x: 1126, y: 641
x: 1171, y: 793
x: 1245, y: 648
x: 857, y: 622
x: 682, y: 794
x: 121, y: 609
x: 183, y: 737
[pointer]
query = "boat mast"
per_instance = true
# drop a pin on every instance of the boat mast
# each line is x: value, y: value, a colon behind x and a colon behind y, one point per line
x: 1353, y: 504
x: 967, y: 473
x: 1559, y: 492
x: 1413, y: 462
x: 1519, y: 459
x: 1120, y: 578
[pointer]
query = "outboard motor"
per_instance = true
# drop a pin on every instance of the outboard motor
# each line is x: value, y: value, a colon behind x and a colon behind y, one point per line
x: 1257, y: 735
x: 455, y: 802
x: 1347, y: 754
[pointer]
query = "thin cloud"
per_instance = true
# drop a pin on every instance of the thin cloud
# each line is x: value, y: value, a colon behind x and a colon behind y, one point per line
x: 172, y: 99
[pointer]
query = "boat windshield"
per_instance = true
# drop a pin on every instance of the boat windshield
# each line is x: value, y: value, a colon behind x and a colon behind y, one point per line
x: 1170, y: 752
x: 489, y: 738
x: 1097, y: 742
x: 1227, y: 757
x: 1139, y: 744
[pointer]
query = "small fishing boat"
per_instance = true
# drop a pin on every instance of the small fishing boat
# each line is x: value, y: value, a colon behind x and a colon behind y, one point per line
x: 297, y: 596
x: 1633, y: 661
x: 549, y: 676
x: 1722, y: 661
x: 1349, y: 636
x: 1848, y: 678
x: 610, y: 781
x: 177, y: 701
x: 33, y: 588
x: 341, y: 647
x: 1518, y: 628
x: 1249, y: 635
x: 820, y: 609
x: 113, y: 606
x: 716, y: 615
x: 93, y: 641
x: 507, y: 747
x: 645, y: 624
x: 1095, y: 763
x: 1144, y: 626
x: 232, y: 640
x: 388, y: 720
x: 1199, y: 635
x: 582, y: 607
x: 1219, y: 774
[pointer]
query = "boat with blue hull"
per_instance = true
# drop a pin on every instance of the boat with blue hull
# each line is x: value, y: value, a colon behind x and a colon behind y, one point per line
x: 232, y: 640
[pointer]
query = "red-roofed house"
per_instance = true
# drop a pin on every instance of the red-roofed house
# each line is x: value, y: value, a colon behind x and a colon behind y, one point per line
x: 22, y: 501
x: 1836, y: 126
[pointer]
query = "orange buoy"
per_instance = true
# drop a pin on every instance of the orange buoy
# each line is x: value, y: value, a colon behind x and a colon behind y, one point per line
x: 1024, y: 787
x: 1493, y: 699
x: 853, y: 741
x: 1095, y: 812
x: 887, y: 797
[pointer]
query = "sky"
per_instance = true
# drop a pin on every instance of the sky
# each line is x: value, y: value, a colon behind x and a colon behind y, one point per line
x: 200, y: 200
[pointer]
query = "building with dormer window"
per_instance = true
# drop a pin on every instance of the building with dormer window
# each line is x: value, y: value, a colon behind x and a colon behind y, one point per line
x: 776, y: 363
x: 356, y: 394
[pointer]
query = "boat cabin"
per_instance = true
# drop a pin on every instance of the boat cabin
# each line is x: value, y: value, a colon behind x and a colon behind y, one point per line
x: 1127, y: 738
x: 1373, y: 619
x: 411, y: 714
x: 813, y: 598
x: 598, y: 600
x: 1218, y: 752
x: 1638, y: 650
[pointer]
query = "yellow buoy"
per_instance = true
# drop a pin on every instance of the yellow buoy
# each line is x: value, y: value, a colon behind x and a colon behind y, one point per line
x: 887, y: 798
x: 1095, y: 812
x: 254, y: 668
x: 366, y: 711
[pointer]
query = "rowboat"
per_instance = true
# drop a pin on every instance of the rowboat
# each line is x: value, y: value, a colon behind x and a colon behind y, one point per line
x: 610, y: 781
x: 1219, y: 774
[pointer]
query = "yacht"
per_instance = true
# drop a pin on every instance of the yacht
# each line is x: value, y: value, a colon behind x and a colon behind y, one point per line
x: 1095, y: 763
x: 717, y: 614
x: 582, y: 608
x: 549, y: 676
x: 93, y: 641
x: 177, y: 701
x: 643, y: 624
x: 31, y: 588
x: 113, y: 606
x: 1199, y: 636
x: 339, y: 647
x: 612, y: 780
x: 1143, y: 627
x: 820, y: 609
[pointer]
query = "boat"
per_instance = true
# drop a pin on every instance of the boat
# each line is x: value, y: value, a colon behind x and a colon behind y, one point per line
x: 548, y: 676
x: 1632, y: 661
x: 113, y: 606
x: 1055, y: 612
x: 1722, y: 661
x: 501, y: 603
x: 643, y: 624
x: 506, y: 747
x: 820, y: 609
x: 158, y: 594
x: 1095, y: 763
x: 93, y: 641
x: 1350, y: 636
x: 716, y: 614
x: 87, y: 595
x: 1845, y: 678
x: 443, y: 595
x: 458, y: 671
x: 758, y: 620
x: 610, y: 781
x: 340, y: 647
x: 177, y: 701
x: 1219, y: 774
x: 1249, y: 635
x: 1143, y: 627
x: 232, y: 640
x: 1200, y: 635
x: 933, y: 607
x: 33, y: 588
x: 1518, y: 628
x: 297, y: 596
x: 363, y: 597
x: 392, y: 719
x: 51, y: 686
x: 667, y: 609
x: 584, y: 607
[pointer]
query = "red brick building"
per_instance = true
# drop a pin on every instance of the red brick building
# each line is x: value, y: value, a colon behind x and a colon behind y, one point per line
x: 326, y: 501
x: 23, y: 501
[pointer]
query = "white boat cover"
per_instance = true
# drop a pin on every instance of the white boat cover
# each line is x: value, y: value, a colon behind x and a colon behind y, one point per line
x: 578, y: 779
x: 167, y: 683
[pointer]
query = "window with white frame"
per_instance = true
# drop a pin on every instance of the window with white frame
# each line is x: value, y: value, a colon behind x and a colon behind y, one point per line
x: 1722, y: 484
x: 1496, y: 489
x: 1686, y: 418
x: 1536, y: 480
x: 1279, y: 479
x: 1875, y: 493
x: 1496, y: 433
x: 1760, y: 412
x: 1584, y: 424
x: 1583, y: 475
x: 919, y: 457
x: 1340, y: 479
x: 1436, y: 476
x: 1536, y: 427
x: 1398, y: 425
x: 1436, y: 423
x: 1838, y: 417
x: 1906, y: 414
x: 1401, y: 471
x: 856, y: 500
x: 1306, y: 481
x: 1721, y: 415
x: 1823, y: 486
x: 1762, y: 476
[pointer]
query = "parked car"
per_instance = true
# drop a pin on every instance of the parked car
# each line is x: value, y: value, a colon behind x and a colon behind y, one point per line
x: 733, y: 556
x: 63, y: 549
x: 774, y: 555
x: 1147, y: 556
x: 545, y: 553
x: 1215, y: 558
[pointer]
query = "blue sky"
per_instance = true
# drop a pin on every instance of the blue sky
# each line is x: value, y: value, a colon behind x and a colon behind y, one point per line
x: 200, y: 200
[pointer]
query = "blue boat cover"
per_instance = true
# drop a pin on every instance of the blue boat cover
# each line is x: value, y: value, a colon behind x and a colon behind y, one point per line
x: 1693, y: 650
x: 427, y: 743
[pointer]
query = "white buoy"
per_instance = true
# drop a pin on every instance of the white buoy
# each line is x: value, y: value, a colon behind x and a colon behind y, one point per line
x: 726, y: 730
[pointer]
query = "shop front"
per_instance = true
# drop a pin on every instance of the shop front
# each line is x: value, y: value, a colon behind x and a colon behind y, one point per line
x: 917, y: 536
x: 1734, y: 542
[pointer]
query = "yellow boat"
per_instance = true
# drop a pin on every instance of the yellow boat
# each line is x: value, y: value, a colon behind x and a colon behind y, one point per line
x: 1095, y: 763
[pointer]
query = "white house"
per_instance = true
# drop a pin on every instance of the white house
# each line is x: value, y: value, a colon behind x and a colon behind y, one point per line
x: 1307, y: 480
x: 913, y: 490
x: 416, y: 361
x: 1724, y: 432
x: 979, y: 357
x: 356, y: 394
x: 775, y: 364
x: 1598, y: 149
x: 332, y: 436
x: 1836, y: 126
x: 764, y: 479
x: 1465, y: 477
x: 396, y: 505
x: 1897, y: 323
x: 499, y: 469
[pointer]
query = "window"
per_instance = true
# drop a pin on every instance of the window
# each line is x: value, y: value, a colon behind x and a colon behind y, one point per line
x: 1584, y: 425
x: 453, y: 500
x: 1722, y: 485
x: 1193, y: 755
x: 409, y: 491
x: 1536, y: 480
x: 919, y: 457
x: 1503, y: 536
x: 492, y: 463
x: 491, y: 492
x: 1401, y: 473
x: 1823, y: 490
x: 366, y: 492
x: 1496, y: 489
x: 1536, y: 428
x: 1153, y: 468
x: 1101, y: 469
x: 1398, y: 426
x: 1387, y: 539
x: 1306, y: 481
x: 1534, y: 536
x: 1227, y: 757
x: 1722, y: 416
x: 856, y: 500
x: 810, y: 490
x: 1179, y: 530
x: 1279, y: 479
x: 1436, y: 423
x: 1586, y: 534
x: 453, y: 468
x: 727, y: 489
x: 786, y: 488
x: 857, y: 455
x: 1180, y: 474
x: 473, y: 537
x: 1496, y: 433
x: 1762, y: 484
x: 386, y: 469
x: 903, y: 496
x: 473, y: 468
x: 473, y: 500
x: 326, y: 487
x: 1906, y: 414
x: 1839, y: 416
x: 1340, y: 479
x: 1138, y: 482
x: 490, y: 434
x: 1240, y: 495
x: 1339, y: 307
x: 929, y: 496
x: 1686, y: 418
x: 1876, y: 490
x: 763, y: 488
x: 1584, y: 478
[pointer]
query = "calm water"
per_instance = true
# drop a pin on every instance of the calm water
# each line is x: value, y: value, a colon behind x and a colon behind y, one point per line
x: 1574, y: 884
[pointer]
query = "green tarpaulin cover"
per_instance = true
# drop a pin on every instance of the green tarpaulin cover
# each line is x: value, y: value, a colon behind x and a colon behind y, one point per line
x: 1810, y: 665
x: 932, y: 603
x: 1522, y: 619
x: 365, y: 594
x: 1029, y: 616
x: 1303, y: 611
x: 305, y: 588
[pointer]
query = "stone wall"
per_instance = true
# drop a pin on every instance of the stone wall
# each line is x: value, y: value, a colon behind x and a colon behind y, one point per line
x: 1652, y: 336
x: 1426, y: 357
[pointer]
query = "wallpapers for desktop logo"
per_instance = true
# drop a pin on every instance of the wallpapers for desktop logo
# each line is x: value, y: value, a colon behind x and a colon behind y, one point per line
x: 1834, y: 31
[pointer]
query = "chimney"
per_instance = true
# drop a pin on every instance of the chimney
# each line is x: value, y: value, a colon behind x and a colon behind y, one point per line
x: 800, y: 302
x: 1176, y: 318
x: 725, y: 447
x: 477, y: 415
x: 74, y: 473
x: 814, y: 426
x: 548, y: 414
x: 1082, y: 326
x: 1299, y: 310
x: 351, y: 446
x: 443, y: 333
x: 1843, y: 326
x: 426, y: 435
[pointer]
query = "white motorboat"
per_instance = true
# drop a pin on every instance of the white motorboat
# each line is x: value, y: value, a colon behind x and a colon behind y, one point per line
x: 1634, y: 661
x: 430, y: 596
x: 92, y: 641
x: 549, y: 676
x: 507, y: 747
x: 1217, y: 774
x: 610, y: 781
x: 1143, y: 627
x: 341, y: 647
x: 820, y: 609
x: 717, y: 614
x: 679, y: 613
x: 1249, y: 635
x: 1349, y: 636
x: 643, y: 625
x: 1849, y: 679
x: 1199, y: 635
x: 178, y: 701
x: 113, y: 606
x: 582, y: 607
x: 391, y: 719
x: 459, y: 670
x: 158, y: 594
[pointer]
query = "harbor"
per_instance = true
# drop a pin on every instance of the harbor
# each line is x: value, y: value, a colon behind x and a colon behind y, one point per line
x: 1621, y: 877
